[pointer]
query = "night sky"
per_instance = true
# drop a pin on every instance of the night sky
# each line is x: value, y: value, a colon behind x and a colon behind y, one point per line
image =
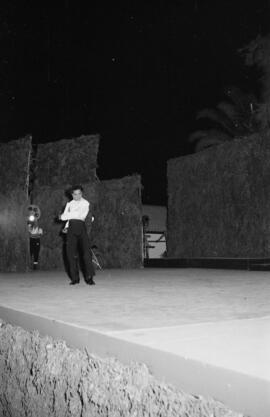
x: 136, y: 72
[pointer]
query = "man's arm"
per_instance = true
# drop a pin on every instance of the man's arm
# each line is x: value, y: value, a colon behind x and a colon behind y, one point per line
x: 65, y: 215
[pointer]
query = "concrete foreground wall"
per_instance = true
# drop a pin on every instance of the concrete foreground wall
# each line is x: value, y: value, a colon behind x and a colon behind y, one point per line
x: 219, y: 201
x: 40, y: 377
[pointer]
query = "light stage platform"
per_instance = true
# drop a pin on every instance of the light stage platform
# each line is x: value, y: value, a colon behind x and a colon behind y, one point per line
x: 205, y: 331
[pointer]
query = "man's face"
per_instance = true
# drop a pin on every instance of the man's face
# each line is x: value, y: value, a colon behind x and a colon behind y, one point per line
x: 77, y: 195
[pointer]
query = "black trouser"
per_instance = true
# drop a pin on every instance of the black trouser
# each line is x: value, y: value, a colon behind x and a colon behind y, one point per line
x: 34, y: 248
x: 77, y: 238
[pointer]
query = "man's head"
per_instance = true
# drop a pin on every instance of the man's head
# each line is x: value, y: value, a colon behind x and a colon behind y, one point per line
x: 76, y: 192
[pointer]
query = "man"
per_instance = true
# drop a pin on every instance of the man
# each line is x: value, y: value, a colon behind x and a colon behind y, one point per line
x: 75, y: 213
x: 35, y: 233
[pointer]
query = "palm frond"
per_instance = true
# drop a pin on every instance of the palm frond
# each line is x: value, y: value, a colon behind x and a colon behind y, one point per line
x: 237, y: 97
x: 228, y: 109
x: 208, y: 133
x: 208, y: 113
x: 218, y: 117
x: 208, y: 142
x: 198, y: 134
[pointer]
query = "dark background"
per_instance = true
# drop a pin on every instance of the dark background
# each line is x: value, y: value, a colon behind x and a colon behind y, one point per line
x: 136, y: 72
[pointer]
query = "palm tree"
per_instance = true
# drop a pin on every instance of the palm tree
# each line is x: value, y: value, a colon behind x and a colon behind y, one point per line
x: 257, y: 53
x: 233, y: 117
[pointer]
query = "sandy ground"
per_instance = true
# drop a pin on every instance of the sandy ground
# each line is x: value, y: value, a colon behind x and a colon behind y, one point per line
x: 141, y: 298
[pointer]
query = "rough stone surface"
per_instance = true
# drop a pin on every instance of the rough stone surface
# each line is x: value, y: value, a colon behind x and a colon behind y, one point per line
x: 44, y: 378
x: 219, y: 201
x: 14, y: 180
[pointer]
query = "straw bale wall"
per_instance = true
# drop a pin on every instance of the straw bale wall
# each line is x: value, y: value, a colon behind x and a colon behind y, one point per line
x: 116, y: 204
x: 116, y: 230
x: 219, y: 201
x: 67, y: 161
x: 58, y: 165
x: 51, y: 201
x: 14, y: 168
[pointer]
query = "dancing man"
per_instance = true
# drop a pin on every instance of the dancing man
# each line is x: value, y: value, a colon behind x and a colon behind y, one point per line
x: 75, y: 214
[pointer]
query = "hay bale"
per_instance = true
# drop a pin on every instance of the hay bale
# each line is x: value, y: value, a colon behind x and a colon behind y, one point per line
x: 15, y: 159
x: 14, y: 181
x: 219, y: 201
x: 51, y: 201
x: 67, y: 161
x: 116, y: 231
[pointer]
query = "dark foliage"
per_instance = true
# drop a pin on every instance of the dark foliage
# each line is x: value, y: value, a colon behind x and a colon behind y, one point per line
x: 232, y: 118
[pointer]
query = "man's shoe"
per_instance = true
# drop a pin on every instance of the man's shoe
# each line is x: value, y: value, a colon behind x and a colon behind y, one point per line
x: 90, y: 281
x: 74, y: 282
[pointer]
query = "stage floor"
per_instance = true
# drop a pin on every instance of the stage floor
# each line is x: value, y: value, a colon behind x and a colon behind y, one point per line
x: 206, y: 331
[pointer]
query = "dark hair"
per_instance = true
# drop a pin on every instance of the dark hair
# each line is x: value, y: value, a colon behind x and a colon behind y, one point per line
x: 76, y: 187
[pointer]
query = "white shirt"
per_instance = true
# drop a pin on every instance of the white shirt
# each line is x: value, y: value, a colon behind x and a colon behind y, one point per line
x: 76, y: 210
x: 35, y: 231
